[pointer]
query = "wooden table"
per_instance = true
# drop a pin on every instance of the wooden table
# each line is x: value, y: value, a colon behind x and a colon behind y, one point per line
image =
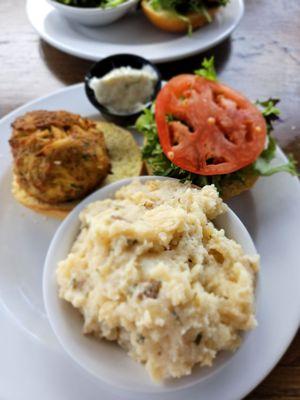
x: 262, y: 59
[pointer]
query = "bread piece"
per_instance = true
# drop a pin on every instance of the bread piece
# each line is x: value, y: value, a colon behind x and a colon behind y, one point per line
x: 126, y: 162
x: 231, y: 186
x: 170, y: 22
x: 234, y: 187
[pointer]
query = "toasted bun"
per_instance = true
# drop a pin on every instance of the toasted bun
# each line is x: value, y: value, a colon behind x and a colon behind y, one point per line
x: 236, y: 187
x: 126, y: 162
x: 170, y: 22
x: 230, y: 187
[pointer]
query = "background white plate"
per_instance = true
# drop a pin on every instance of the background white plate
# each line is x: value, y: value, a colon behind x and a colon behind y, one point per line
x: 132, y: 34
x: 270, y: 211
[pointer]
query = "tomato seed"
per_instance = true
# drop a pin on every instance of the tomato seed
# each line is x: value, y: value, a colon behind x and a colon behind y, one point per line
x: 170, y: 155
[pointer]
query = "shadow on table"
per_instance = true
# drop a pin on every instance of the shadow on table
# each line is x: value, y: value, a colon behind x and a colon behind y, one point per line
x: 221, y: 53
x: 69, y: 69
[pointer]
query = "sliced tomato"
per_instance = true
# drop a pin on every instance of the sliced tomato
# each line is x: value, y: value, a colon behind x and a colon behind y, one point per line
x: 206, y: 127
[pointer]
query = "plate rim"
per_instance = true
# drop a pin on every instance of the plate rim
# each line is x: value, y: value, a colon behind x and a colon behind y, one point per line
x: 161, y: 59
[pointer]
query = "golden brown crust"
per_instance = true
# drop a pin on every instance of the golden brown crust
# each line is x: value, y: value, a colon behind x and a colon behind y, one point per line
x: 58, y: 156
x: 43, y: 119
x: 125, y: 159
x: 171, y: 23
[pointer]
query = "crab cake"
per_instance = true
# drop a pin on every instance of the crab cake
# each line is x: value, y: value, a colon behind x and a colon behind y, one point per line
x: 58, y: 156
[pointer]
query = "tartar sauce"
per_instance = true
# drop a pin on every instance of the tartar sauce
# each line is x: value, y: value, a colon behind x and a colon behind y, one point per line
x: 125, y: 90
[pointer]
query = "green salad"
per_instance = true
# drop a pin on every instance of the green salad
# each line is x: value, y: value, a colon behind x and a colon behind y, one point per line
x: 182, y: 7
x: 92, y: 3
x: 263, y: 166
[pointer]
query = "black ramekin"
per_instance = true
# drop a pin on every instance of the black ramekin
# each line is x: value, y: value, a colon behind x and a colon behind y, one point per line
x: 106, y: 65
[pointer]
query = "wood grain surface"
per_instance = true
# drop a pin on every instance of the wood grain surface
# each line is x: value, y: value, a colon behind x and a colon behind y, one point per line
x: 261, y: 59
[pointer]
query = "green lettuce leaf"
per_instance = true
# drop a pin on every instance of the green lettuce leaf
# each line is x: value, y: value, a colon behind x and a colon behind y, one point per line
x: 269, y: 110
x: 208, y: 70
x: 264, y: 168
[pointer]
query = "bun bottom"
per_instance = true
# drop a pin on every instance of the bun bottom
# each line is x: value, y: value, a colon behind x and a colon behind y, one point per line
x: 169, y: 22
x: 58, y: 211
x: 230, y: 187
x: 126, y: 162
x: 236, y: 187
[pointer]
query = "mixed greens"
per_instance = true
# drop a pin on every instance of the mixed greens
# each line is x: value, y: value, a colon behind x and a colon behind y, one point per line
x: 92, y: 3
x: 263, y: 166
x: 182, y: 7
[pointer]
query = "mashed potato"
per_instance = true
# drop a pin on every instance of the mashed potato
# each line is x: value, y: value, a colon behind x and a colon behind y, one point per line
x: 150, y: 270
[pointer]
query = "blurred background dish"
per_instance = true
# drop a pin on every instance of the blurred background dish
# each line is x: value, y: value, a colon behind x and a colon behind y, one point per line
x: 142, y: 38
x: 93, y: 16
x: 181, y: 15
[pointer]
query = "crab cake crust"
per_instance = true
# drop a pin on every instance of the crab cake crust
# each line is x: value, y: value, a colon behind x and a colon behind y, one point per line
x: 58, y: 156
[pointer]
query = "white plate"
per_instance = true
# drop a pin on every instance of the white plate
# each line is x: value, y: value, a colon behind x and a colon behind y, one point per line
x: 270, y: 211
x: 132, y: 34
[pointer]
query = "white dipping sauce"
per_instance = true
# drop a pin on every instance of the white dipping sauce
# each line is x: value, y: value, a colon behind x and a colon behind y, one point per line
x: 125, y: 90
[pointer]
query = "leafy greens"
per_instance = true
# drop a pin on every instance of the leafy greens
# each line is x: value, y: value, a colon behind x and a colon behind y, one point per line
x: 160, y: 165
x: 208, y: 70
x: 182, y: 7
